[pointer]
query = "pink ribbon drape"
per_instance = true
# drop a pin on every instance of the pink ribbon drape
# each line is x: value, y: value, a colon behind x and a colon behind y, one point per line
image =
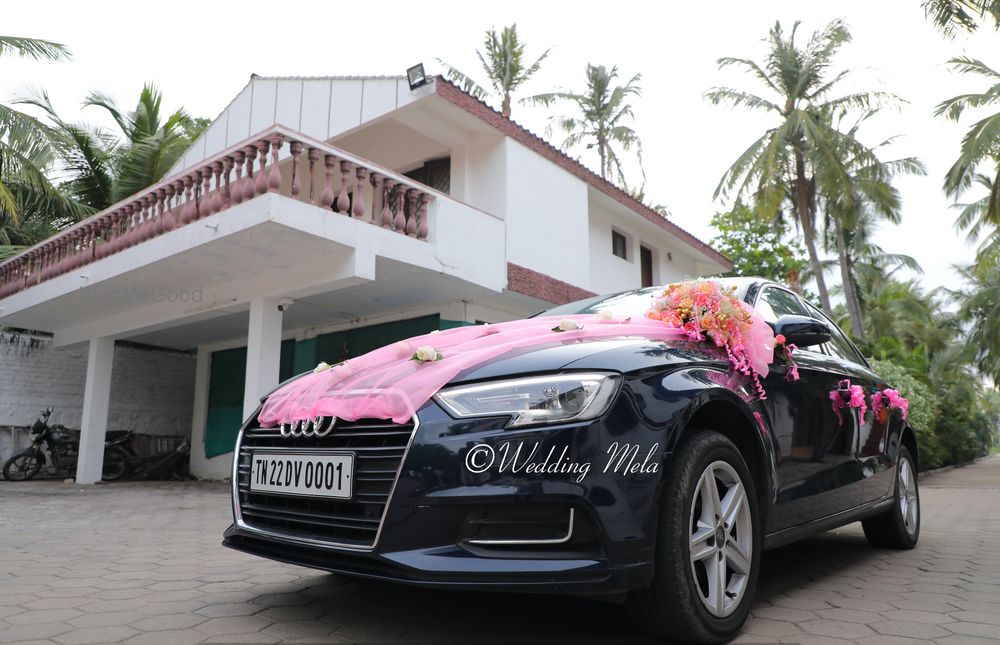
x: 385, y: 384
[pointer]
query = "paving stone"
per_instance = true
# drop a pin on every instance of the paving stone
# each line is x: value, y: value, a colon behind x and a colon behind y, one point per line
x: 229, y: 609
x: 910, y: 616
x: 975, y: 617
x: 764, y: 627
x: 173, y: 637
x: 974, y: 629
x: 153, y: 567
x: 106, y: 619
x: 785, y: 614
x: 965, y: 640
x: 912, y: 630
x: 32, y: 632
x: 836, y: 628
x: 300, y: 630
x: 253, y: 637
x: 168, y: 622
x: 87, y: 635
x: 43, y: 616
x: 233, y: 625
x: 849, y: 615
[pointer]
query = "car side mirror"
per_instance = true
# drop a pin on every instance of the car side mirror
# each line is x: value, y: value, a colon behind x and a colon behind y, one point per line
x: 802, y: 331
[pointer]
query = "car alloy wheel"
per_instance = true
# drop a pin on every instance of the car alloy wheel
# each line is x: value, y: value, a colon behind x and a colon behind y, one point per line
x: 898, y: 527
x: 709, y: 540
x: 721, y: 539
x: 909, y: 507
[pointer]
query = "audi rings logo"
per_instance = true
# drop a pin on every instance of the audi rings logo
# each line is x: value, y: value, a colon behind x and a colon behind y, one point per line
x: 318, y: 427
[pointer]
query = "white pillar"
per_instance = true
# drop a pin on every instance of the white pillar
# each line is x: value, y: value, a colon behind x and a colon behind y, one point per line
x: 263, y: 352
x: 96, y: 400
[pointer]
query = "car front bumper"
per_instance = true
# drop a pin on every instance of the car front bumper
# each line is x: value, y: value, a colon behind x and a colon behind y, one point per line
x: 450, y: 522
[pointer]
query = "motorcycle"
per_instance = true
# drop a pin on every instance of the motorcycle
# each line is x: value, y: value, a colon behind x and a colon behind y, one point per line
x: 63, y: 446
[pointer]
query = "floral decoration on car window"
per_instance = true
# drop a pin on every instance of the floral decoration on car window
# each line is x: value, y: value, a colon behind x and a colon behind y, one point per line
x: 706, y: 311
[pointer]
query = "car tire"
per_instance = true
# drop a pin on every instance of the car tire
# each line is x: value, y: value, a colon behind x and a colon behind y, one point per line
x: 683, y: 604
x: 898, y: 527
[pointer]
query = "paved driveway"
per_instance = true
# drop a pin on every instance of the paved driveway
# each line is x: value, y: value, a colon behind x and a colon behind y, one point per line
x: 141, y: 562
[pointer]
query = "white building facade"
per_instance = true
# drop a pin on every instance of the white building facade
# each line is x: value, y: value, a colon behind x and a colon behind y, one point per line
x: 317, y: 219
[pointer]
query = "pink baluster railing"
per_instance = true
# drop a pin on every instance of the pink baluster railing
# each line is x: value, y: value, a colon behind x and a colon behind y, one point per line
x: 287, y: 163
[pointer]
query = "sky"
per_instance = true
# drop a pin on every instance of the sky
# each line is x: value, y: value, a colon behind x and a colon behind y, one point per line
x: 201, y: 54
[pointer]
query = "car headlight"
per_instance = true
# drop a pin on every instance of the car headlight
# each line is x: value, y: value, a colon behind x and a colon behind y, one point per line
x: 537, y: 399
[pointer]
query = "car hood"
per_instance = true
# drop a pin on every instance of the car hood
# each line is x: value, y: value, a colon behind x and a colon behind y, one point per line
x: 618, y: 354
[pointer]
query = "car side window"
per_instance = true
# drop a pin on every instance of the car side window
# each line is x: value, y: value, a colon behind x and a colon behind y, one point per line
x: 839, y: 346
x: 773, y: 303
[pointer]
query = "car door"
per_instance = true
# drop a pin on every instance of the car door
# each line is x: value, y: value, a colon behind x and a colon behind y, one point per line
x: 817, y: 470
x: 875, y: 468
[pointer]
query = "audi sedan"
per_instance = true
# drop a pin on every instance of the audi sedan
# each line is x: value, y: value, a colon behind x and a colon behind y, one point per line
x: 641, y: 471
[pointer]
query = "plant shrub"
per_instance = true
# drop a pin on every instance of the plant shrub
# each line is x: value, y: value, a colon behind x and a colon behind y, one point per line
x: 924, y: 412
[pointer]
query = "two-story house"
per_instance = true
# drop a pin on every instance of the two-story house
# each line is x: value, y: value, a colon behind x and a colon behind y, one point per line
x: 316, y: 219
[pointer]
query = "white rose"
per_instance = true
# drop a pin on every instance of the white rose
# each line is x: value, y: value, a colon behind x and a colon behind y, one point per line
x: 321, y: 367
x: 605, y: 315
x: 568, y: 325
x: 343, y: 369
x: 426, y: 353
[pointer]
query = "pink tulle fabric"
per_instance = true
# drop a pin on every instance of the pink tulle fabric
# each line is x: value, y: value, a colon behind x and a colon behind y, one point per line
x: 386, y: 384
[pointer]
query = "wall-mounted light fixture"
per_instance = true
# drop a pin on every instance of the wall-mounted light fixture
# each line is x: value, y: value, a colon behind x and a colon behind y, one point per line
x: 416, y: 76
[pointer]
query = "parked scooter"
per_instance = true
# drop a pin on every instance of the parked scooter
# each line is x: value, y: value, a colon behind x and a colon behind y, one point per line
x: 64, y: 449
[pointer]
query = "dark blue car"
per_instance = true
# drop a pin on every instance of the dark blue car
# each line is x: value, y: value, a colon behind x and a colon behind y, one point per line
x: 640, y: 471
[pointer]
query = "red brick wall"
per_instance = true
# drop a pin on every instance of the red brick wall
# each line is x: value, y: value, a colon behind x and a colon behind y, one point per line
x: 538, y: 285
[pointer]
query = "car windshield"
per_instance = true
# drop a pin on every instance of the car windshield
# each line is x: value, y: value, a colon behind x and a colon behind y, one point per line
x: 629, y: 303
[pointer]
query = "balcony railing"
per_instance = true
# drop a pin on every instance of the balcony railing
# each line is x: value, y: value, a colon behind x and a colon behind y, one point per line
x: 308, y: 171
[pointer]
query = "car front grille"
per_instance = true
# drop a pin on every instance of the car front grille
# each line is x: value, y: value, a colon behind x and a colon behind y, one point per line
x: 378, y: 446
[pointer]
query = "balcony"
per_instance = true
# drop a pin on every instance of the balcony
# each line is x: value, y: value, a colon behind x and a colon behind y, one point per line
x: 276, y: 214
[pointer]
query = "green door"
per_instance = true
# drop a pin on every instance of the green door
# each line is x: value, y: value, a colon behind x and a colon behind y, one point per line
x: 228, y: 369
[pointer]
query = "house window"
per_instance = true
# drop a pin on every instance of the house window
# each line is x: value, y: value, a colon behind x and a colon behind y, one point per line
x: 646, y: 264
x: 435, y: 173
x: 619, y: 245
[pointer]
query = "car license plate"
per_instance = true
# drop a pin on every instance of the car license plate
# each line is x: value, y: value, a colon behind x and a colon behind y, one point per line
x: 302, y: 474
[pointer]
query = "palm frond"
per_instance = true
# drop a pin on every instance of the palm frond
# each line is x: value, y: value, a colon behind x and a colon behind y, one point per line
x: 33, y: 48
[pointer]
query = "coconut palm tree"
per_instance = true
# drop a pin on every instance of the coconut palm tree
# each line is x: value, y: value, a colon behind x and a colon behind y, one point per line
x: 604, y: 111
x: 42, y: 210
x: 854, y: 213
x: 504, y: 64
x: 152, y: 143
x: 802, y: 148
x: 99, y: 167
x: 974, y: 220
x: 979, y: 307
x: 20, y: 135
x: 952, y: 16
x: 981, y: 144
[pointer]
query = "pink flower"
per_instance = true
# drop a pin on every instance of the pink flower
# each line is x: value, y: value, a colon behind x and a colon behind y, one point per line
x: 779, y: 339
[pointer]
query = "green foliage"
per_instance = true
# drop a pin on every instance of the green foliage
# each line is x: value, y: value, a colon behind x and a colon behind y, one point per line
x: 924, y: 411
x: 757, y: 246
x: 953, y: 16
x: 101, y: 167
x: 24, y: 155
x: 979, y: 307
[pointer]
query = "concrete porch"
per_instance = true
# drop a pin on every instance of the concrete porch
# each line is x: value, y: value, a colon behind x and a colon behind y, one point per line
x: 203, y: 272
